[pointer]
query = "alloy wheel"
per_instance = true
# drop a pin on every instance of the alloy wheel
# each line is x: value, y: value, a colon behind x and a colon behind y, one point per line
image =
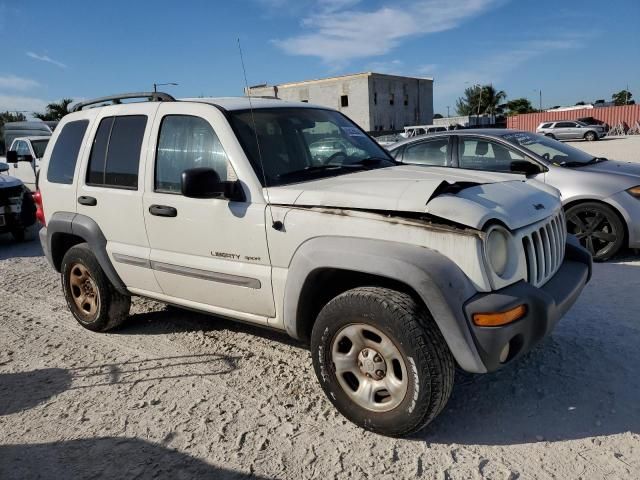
x: 594, y: 229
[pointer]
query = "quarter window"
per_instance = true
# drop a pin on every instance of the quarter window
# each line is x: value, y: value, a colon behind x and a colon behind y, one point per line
x: 434, y: 152
x: 187, y: 142
x: 62, y: 163
x: 115, y: 155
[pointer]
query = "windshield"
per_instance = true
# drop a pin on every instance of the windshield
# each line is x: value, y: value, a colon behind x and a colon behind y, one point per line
x: 39, y: 147
x: 552, y: 150
x: 301, y: 144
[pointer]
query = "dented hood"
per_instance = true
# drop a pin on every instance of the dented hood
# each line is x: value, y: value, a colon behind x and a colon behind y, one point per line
x: 466, y: 198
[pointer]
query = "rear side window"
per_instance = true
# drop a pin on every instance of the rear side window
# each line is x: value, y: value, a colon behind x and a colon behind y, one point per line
x: 63, y: 159
x: 115, y: 155
x: 546, y: 125
x: 565, y: 125
x: 433, y: 152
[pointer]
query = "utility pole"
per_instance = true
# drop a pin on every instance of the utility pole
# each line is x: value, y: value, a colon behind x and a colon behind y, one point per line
x: 540, y: 99
x: 447, y: 111
x: 479, y: 99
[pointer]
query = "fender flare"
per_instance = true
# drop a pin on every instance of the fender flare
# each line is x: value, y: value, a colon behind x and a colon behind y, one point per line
x: 88, y: 230
x: 439, y: 282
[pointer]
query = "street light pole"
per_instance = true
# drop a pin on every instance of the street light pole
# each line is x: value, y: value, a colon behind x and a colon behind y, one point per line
x: 447, y: 111
x: 156, y: 85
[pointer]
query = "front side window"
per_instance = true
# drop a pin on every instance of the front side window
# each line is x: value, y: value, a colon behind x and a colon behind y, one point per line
x: 115, y: 155
x: 434, y: 152
x: 187, y: 142
x: 480, y: 154
x: 289, y: 145
x: 565, y: 125
x: 39, y: 146
x: 62, y: 163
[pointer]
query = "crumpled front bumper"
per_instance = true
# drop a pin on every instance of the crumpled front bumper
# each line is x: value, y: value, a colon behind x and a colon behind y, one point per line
x: 545, y: 306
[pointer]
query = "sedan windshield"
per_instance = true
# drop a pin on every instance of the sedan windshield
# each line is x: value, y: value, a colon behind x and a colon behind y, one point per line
x: 552, y: 150
x: 300, y: 144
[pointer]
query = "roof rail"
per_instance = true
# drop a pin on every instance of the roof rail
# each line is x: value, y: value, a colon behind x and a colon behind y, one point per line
x: 116, y: 99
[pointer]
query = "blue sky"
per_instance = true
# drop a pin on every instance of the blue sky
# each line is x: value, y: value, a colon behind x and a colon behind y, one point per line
x: 572, y: 50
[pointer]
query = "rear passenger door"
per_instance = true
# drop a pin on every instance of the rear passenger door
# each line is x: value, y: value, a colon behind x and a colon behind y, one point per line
x: 211, y: 251
x: 564, y: 130
x: 110, y: 188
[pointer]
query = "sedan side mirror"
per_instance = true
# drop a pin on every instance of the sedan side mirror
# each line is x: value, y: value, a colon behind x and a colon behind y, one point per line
x: 205, y: 183
x: 525, y: 168
x: 4, y: 167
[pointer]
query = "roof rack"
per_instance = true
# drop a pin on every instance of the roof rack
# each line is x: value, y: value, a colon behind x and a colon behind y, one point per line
x: 116, y: 99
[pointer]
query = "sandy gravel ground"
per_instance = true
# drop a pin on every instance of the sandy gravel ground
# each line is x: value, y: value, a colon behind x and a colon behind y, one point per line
x: 175, y: 394
x: 615, y: 148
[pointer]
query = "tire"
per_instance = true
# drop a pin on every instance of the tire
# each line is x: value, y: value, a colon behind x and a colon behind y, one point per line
x: 550, y: 135
x: 103, y: 307
x: 605, y: 237
x: 590, y: 136
x: 413, y: 353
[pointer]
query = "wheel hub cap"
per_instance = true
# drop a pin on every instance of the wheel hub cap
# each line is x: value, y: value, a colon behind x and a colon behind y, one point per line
x: 371, y: 364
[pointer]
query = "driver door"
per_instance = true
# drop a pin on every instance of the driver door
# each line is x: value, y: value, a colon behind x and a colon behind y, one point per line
x: 24, y: 170
x: 208, y: 252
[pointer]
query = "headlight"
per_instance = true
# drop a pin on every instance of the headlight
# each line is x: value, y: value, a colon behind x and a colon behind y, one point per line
x: 497, y: 249
x: 635, y: 191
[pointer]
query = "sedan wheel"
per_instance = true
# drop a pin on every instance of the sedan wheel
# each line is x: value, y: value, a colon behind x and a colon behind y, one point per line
x: 598, y: 229
x: 590, y: 136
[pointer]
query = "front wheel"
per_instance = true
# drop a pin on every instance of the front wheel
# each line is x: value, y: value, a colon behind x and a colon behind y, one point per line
x: 91, y: 297
x: 597, y: 227
x: 590, y: 136
x: 381, y: 360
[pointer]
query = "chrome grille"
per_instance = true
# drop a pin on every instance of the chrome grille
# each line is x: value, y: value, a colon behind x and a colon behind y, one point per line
x: 544, y: 245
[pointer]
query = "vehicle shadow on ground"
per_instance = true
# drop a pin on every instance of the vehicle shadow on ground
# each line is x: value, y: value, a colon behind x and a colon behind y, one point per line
x: 581, y: 382
x: 9, y: 248
x: 24, y: 390
x: 169, y: 319
x: 106, y: 457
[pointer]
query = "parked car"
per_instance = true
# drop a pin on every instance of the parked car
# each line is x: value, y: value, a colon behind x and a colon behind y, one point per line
x: 24, y: 157
x: 394, y: 274
x: 572, y: 130
x: 17, y: 208
x: 601, y: 197
x: 594, y: 121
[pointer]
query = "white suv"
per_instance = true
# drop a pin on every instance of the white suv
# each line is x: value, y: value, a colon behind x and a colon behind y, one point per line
x: 394, y: 274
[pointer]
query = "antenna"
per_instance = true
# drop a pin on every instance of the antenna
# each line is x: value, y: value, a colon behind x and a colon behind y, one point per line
x: 276, y: 225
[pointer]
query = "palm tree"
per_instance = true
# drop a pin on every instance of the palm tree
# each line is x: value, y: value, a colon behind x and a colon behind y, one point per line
x: 480, y: 100
x: 55, y: 110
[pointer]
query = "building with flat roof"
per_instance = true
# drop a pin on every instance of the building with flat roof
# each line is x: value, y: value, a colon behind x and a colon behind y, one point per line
x: 375, y: 101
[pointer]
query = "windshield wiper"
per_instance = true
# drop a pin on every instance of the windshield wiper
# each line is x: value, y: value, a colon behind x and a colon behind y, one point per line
x: 318, y: 169
x: 594, y: 160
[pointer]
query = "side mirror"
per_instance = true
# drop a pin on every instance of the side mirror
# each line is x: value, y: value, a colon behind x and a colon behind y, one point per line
x: 4, y: 167
x: 524, y: 167
x: 13, y: 157
x: 205, y: 183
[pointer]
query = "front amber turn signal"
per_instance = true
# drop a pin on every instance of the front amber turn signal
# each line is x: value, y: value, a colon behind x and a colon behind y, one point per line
x: 499, y: 319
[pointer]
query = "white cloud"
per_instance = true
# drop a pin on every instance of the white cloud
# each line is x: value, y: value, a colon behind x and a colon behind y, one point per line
x: 45, y: 58
x: 338, y: 34
x: 20, y: 103
x: 12, y: 82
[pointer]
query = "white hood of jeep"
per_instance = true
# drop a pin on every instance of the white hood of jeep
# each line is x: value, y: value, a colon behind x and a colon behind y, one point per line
x: 512, y: 199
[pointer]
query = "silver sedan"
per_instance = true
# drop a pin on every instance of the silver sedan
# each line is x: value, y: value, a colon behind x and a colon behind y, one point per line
x: 601, y: 197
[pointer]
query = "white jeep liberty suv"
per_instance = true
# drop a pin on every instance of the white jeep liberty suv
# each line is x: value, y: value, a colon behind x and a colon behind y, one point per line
x: 394, y: 274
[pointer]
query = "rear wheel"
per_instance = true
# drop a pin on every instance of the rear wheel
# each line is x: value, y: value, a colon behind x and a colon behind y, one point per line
x: 381, y: 360
x: 92, y: 299
x: 598, y: 228
x: 590, y: 136
x: 550, y: 135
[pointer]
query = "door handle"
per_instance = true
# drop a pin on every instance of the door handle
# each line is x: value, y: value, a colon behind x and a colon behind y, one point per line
x: 163, y: 211
x: 88, y: 201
